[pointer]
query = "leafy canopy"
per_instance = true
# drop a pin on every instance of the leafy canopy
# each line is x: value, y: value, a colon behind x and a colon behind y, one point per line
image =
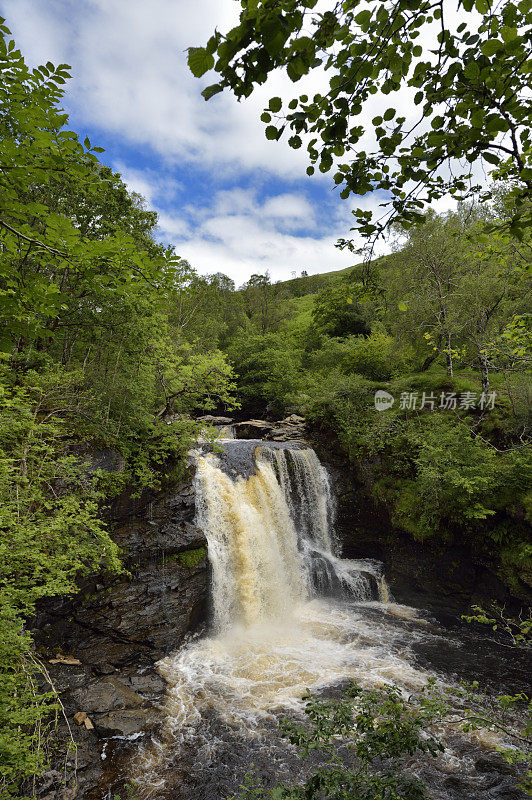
x: 466, y: 75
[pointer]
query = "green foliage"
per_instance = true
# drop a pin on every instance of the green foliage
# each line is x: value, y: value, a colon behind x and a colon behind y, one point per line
x: 433, y: 470
x: 93, y: 353
x: 477, y: 69
x: 336, y: 313
x: 268, y: 366
x: 519, y: 630
x: 373, y: 357
x: 51, y: 533
x: 364, y: 739
x: 191, y: 558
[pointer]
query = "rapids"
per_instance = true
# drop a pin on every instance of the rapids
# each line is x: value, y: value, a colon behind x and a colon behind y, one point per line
x: 287, y: 615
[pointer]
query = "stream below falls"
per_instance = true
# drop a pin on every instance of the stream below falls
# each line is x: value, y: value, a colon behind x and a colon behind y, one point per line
x: 287, y: 615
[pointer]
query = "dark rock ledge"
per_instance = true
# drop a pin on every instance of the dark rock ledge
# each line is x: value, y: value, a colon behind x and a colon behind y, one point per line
x: 100, y: 646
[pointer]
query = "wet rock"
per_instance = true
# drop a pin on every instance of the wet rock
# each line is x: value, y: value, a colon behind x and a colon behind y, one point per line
x: 117, y: 627
x: 127, y: 722
x: 105, y: 459
x: 252, y: 429
x: 443, y: 576
x: 106, y: 695
x: 290, y: 428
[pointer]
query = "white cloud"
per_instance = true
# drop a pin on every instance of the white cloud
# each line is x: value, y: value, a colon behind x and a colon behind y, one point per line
x: 130, y: 78
x: 154, y: 187
x: 239, y: 234
x: 289, y: 206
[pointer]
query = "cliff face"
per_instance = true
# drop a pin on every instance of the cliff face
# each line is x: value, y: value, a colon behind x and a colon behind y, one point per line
x: 100, y: 646
x: 444, y: 576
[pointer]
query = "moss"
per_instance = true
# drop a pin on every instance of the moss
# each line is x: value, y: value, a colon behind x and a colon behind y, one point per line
x: 190, y: 558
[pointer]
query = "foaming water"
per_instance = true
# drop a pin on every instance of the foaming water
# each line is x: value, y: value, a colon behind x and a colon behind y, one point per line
x: 247, y: 673
x: 288, y: 615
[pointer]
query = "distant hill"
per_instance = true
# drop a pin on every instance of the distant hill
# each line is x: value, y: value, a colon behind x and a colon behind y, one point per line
x: 311, y: 284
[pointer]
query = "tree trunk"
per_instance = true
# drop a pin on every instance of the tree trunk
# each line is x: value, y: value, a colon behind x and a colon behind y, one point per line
x: 483, y: 361
x: 428, y: 361
x: 448, y: 355
x: 432, y: 358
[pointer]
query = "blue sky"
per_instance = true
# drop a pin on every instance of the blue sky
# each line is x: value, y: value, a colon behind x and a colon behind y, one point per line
x: 228, y: 199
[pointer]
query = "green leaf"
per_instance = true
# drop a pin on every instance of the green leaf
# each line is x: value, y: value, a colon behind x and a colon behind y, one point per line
x: 210, y: 91
x: 508, y: 34
x: 363, y: 18
x: 271, y: 132
x: 491, y: 47
x: 482, y: 6
x: 199, y: 61
x: 275, y: 104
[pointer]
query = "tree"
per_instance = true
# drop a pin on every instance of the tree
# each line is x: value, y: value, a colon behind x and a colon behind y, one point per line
x: 264, y: 303
x: 425, y: 273
x: 468, y: 81
x: 490, y: 290
x: 457, y: 287
x: 90, y: 355
x: 207, y: 310
x: 336, y: 312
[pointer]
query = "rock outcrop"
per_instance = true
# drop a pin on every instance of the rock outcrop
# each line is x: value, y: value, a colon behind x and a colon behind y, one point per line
x: 209, y: 419
x: 252, y: 429
x: 289, y: 429
x: 100, y: 646
x: 446, y: 576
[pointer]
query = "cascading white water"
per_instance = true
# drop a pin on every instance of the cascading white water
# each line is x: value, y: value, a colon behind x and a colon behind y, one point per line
x: 271, y: 550
x: 270, y: 537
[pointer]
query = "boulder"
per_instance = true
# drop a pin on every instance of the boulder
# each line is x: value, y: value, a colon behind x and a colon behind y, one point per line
x: 290, y: 428
x: 106, y: 695
x: 127, y: 722
x: 293, y: 419
x: 252, y: 429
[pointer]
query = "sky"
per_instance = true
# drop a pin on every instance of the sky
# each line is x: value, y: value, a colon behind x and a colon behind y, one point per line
x: 228, y: 200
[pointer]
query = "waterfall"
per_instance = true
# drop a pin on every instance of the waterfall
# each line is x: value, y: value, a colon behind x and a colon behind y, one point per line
x: 256, y: 569
x: 270, y: 540
x: 288, y: 614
